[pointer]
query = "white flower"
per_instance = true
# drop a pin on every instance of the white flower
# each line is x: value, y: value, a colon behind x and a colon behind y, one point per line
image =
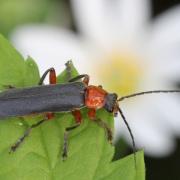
x: 122, y: 49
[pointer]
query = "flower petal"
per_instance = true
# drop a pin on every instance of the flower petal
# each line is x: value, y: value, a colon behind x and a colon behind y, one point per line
x: 168, y: 109
x: 164, y: 44
x: 165, y: 30
x: 90, y: 16
x: 133, y: 16
x: 148, y: 133
x: 51, y: 46
x: 167, y: 63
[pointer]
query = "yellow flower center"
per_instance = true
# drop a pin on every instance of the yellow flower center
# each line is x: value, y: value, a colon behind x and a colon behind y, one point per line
x: 121, y: 74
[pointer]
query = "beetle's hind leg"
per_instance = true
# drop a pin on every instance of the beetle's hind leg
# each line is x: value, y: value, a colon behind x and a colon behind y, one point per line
x: 26, y: 133
x: 65, y: 145
x: 78, y: 119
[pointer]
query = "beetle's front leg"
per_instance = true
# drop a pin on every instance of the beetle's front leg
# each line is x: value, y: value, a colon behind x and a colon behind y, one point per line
x: 78, y: 119
x: 101, y: 123
x: 107, y: 129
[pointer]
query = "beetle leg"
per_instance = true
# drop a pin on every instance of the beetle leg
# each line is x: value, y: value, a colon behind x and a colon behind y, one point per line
x: 52, y: 76
x: 52, y: 80
x: 49, y: 115
x: 92, y: 113
x: 77, y: 115
x: 9, y: 86
x: 104, y: 125
x: 26, y: 133
x: 65, y: 145
x: 85, y: 80
x: 78, y: 119
x: 107, y: 129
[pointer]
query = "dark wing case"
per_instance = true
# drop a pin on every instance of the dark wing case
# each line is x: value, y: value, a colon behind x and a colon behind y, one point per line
x: 39, y: 99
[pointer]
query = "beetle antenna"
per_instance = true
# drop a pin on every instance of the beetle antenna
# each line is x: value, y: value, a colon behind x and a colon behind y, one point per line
x: 148, y: 92
x: 130, y: 132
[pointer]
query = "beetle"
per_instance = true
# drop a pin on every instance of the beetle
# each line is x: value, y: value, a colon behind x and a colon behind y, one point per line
x: 67, y: 97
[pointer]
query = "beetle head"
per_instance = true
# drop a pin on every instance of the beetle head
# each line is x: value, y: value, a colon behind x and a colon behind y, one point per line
x: 111, y: 104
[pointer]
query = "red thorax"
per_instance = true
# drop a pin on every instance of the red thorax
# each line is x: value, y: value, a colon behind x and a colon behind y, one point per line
x: 95, y: 97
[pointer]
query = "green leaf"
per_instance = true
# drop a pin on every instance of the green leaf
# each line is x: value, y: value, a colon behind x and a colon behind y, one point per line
x: 39, y: 156
x: 69, y: 72
x: 31, y: 76
x: 12, y: 65
x: 15, y: 13
x: 19, y: 12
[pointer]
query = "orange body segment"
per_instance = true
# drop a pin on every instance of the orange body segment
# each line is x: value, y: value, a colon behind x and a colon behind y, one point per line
x: 95, y: 97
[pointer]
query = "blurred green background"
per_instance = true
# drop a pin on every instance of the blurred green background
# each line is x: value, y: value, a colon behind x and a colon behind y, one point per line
x: 18, y: 12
